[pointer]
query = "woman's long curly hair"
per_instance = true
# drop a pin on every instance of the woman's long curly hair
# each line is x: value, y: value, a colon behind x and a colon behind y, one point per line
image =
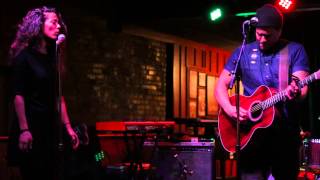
x: 29, y: 32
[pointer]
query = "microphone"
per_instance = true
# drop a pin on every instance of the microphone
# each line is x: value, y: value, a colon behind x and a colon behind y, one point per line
x: 60, y: 39
x: 253, y: 21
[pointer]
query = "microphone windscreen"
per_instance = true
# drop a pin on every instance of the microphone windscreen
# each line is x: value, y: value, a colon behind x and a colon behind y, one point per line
x: 254, y: 20
x: 60, y: 39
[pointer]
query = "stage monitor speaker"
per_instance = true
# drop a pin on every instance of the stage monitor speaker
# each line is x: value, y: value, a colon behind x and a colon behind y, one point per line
x: 182, y: 160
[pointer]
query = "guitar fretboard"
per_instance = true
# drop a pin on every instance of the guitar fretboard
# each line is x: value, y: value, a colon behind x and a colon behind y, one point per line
x: 307, y: 80
x: 281, y: 96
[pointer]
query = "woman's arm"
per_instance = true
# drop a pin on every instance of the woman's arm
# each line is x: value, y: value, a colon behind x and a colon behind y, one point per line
x: 66, y: 121
x: 25, y: 139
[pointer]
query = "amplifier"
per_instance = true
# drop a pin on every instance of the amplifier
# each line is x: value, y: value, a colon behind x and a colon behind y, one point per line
x: 314, y: 154
x: 181, y: 160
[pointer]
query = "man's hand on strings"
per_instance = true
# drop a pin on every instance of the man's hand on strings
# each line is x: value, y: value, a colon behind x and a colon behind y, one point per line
x: 232, y: 112
x: 293, y: 90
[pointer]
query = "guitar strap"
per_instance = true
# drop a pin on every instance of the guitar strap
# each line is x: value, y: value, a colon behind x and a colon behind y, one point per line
x: 283, y: 68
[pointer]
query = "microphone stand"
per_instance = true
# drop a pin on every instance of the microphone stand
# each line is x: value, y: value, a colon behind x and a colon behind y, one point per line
x: 59, y: 114
x: 235, y: 77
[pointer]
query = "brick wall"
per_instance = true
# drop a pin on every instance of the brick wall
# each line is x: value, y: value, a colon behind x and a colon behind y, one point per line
x: 114, y: 75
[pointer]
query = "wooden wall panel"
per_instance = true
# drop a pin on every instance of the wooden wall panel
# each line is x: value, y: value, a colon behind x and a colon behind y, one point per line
x: 193, y: 83
x: 183, y: 78
x: 197, y: 68
x: 193, y: 93
x: 208, y: 61
x: 220, y: 60
x: 211, y: 100
x: 214, y: 62
x: 204, y: 59
x: 198, y: 58
x: 176, y: 81
x: 202, y: 102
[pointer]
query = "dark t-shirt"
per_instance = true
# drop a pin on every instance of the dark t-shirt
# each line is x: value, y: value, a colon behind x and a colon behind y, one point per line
x: 33, y: 77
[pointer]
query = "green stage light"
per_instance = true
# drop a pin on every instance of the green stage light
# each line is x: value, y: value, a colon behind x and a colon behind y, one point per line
x: 246, y: 14
x: 216, y: 14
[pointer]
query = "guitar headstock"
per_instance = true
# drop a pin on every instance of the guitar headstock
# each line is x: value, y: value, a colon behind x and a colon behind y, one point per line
x: 317, y: 74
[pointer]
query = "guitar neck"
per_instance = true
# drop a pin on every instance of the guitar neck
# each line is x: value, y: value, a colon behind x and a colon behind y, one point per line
x: 308, y: 80
x: 281, y: 96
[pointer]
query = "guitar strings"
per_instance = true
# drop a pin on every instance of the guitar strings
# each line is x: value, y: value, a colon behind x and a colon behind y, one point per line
x: 280, y: 96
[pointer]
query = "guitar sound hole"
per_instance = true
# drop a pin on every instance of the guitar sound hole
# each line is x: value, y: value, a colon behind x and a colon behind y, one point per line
x: 256, y: 111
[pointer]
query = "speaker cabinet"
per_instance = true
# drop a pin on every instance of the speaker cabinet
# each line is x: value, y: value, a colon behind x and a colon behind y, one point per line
x: 314, y: 153
x: 183, y: 160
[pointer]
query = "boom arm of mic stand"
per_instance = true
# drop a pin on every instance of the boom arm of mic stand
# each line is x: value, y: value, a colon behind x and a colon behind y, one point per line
x: 235, y: 71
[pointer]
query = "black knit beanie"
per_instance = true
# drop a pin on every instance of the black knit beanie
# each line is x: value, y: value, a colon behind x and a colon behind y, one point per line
x: 269, y: 16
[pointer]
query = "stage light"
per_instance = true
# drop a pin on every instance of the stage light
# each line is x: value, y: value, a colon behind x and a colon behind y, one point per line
x: 246, y: 14
x: 216, y: 14
x: 285, y: 5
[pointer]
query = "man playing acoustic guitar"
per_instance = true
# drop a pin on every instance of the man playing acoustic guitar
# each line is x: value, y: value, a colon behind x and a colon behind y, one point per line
x: 267, y: 67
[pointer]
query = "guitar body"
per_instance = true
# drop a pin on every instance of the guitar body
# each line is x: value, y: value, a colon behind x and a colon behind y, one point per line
x: 228, y: 126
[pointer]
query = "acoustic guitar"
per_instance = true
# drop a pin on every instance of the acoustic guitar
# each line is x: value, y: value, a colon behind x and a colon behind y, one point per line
x: 260, y: 106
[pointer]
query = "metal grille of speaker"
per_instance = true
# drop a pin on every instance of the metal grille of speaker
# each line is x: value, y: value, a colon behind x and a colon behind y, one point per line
x: 183, y: 160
